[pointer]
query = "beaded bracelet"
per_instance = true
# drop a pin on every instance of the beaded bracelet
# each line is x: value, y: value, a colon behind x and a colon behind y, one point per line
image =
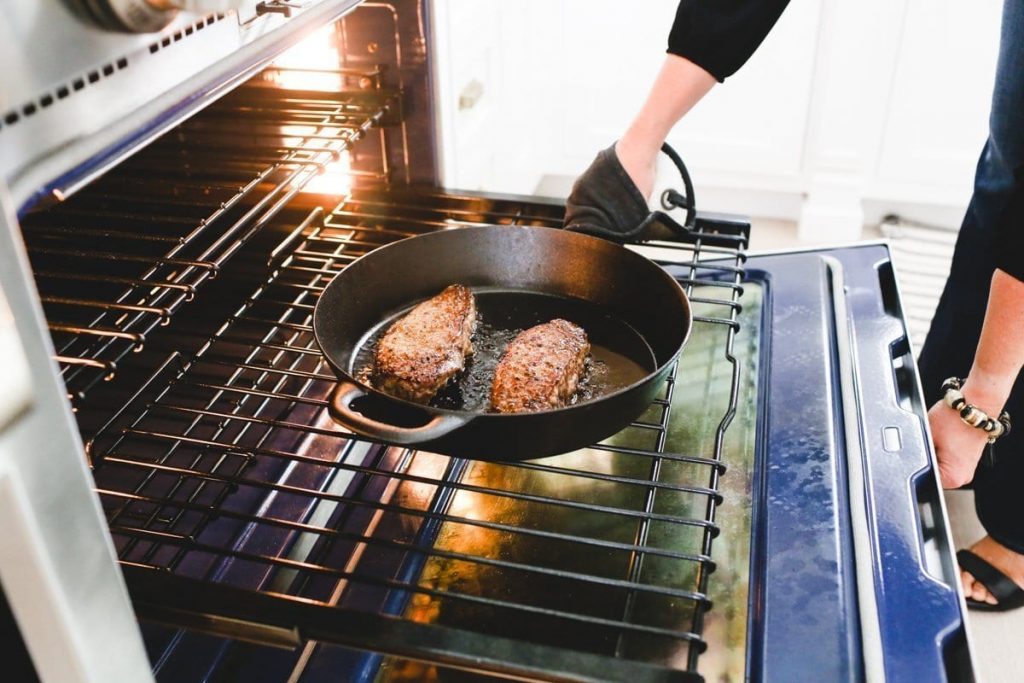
x: 973, y: 415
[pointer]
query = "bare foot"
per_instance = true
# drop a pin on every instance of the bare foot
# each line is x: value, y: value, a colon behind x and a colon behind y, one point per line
x: 1000, y: 557
x: 640, y: 163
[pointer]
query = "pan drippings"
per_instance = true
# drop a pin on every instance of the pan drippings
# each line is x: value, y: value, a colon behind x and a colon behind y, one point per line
x: 619, y: 355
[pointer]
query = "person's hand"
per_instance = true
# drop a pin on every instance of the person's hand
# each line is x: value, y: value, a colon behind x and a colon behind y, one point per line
x: 959, y: 446
x: 640, y: 162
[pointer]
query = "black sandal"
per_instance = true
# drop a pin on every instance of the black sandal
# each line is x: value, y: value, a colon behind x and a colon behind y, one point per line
x: 1007, y: 593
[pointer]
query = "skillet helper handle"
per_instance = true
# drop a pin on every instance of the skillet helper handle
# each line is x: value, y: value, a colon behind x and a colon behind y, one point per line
x: 341, y: 410
x: 671, y: 199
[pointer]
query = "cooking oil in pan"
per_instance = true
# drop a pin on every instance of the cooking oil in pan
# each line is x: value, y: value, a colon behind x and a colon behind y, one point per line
x: 619, y: 355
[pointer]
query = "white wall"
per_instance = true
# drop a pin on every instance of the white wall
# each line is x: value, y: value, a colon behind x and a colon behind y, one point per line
x: 849, y: 110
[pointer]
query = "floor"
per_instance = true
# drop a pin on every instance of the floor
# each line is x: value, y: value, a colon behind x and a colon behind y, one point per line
x: 996, y: 638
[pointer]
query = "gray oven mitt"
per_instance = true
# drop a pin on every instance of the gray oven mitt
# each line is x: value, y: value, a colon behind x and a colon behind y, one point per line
x: 605, y: 202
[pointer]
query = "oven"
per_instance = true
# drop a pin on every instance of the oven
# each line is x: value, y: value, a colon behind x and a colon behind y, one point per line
x: 179, y: 505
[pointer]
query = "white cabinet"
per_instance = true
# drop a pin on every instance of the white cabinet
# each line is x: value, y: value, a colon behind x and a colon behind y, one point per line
x: 468, y: 81
x: 937, y: 113
x: 847, y: 112
x: 495, y: 89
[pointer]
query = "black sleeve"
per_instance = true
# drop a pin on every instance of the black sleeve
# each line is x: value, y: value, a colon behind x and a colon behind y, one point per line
x: 1009, y: 233
x: 720, y: 35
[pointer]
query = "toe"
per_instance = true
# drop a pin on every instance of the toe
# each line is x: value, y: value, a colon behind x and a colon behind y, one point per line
x: 967, y: 581
x: 981, y: 593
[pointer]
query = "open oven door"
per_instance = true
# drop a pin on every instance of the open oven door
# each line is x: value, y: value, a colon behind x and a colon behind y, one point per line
x: 58, y: 569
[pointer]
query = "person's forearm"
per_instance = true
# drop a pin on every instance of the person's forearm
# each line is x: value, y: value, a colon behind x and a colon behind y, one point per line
x: 1000, y: 353
x: 679, y: 86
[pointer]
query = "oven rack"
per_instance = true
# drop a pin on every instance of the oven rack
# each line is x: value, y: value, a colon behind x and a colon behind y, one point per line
x: 119, y: 259
x: 234, y: 445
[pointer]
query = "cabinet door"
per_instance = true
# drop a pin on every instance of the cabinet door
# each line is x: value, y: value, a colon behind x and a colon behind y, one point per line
x: 468, y: 82
x: 938, y: 110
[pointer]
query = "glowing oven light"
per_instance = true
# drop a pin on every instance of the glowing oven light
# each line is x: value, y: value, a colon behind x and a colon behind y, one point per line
x: 317, y: 51
x: 336, y: 178
x: 312, y: 64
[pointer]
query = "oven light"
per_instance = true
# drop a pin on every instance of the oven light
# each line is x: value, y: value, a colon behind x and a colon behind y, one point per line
x: 310, y: 65
x: 336, y: 178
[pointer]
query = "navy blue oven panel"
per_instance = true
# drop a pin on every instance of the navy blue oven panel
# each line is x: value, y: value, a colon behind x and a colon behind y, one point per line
x: 842, y: 597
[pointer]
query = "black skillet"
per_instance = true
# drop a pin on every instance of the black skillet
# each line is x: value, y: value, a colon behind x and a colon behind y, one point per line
x: 636, y: 315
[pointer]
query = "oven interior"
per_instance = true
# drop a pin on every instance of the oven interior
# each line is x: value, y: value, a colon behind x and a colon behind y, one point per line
x: 179, y: 289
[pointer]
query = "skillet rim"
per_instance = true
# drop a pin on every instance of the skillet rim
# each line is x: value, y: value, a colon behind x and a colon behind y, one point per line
x: 343, y: 375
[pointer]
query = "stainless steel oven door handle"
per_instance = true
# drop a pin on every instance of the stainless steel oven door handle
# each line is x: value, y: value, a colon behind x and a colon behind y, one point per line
x: 346, y: 392
x: 870, y: 624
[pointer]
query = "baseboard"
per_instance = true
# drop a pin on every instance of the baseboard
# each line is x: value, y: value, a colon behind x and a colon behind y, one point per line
x: 782, y: 204
x: 932, y: 215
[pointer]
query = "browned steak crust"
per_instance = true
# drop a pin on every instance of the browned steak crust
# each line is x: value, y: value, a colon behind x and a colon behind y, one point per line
x: 540, y: 368
x: 428, y: 346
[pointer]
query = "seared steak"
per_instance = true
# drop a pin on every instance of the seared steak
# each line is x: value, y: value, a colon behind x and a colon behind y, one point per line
x: 540, y: 368
x: 428, y: 346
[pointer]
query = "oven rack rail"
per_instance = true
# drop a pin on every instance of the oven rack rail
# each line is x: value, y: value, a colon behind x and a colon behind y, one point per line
x: 233, y: 443
x: 116, y: 261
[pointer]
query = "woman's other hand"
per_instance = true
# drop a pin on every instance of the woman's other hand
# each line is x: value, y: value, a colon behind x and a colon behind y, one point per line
x: 958, y: 445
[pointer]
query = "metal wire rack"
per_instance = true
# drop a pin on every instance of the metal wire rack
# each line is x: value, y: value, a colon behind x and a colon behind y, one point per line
x: 232, y: 495
x: 117, y: 260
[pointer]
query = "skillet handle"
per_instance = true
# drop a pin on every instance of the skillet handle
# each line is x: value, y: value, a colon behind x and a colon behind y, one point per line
x: 340, y: 409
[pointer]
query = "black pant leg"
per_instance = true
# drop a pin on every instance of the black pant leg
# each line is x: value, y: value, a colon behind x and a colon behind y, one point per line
x: 951, y: 344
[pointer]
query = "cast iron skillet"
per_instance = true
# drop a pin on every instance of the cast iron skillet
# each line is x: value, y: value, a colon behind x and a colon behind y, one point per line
x: 636, y: 315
